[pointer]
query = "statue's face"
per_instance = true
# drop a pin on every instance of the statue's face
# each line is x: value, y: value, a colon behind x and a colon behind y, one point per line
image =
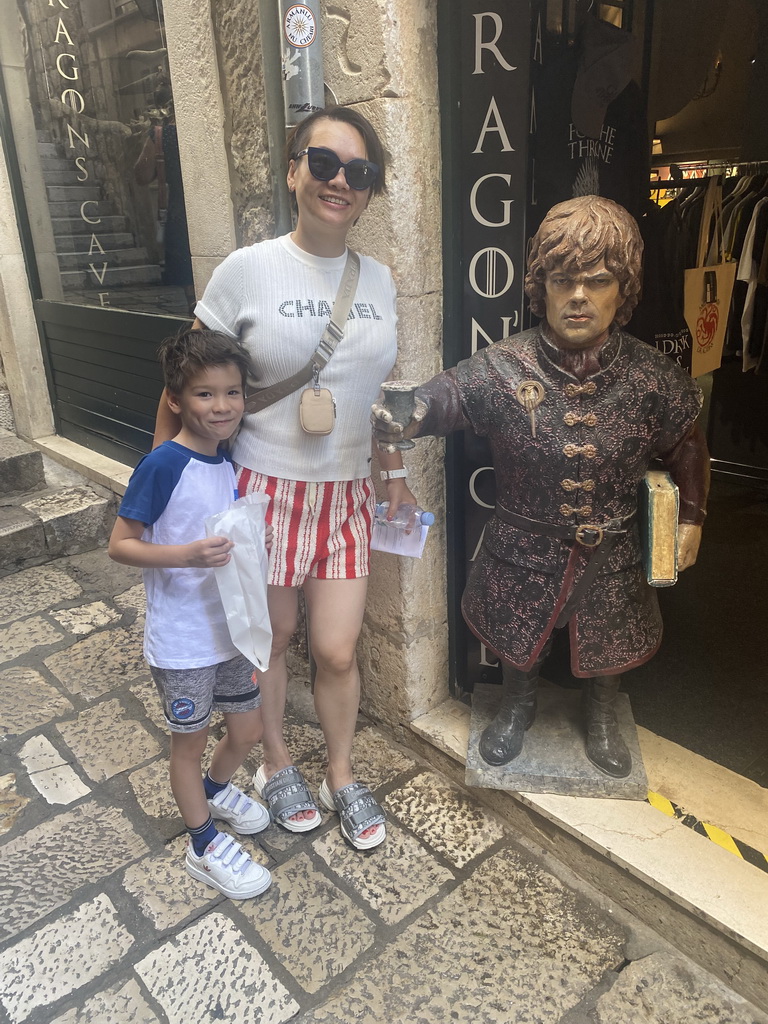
x: 580, y: 308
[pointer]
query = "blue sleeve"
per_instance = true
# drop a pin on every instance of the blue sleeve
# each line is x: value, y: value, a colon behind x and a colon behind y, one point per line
x: 151, y: 485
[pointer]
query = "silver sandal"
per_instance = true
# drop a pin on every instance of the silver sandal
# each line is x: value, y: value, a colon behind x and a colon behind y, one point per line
x: 358, y: 810
x: 286, y: 793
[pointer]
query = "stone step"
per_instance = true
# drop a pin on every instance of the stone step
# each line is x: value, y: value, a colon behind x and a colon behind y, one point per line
x: 21, y: 466
x: 72, y: 193
x: 56, y: 159
x: 60, y: 175
x: 74, y: 225
x: 112, y: 257
x: 81, y: 244
x: 51, y: 522
x: 114, y: 277
x: 66, y: 208
x: 51, y: 160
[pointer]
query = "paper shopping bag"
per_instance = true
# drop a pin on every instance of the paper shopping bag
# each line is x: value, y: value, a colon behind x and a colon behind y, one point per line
x: 242, y: 581
x: 707, y: 302
x: 708, y: 287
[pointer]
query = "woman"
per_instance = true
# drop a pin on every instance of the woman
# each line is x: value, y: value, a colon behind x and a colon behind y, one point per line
x: 277, y: 297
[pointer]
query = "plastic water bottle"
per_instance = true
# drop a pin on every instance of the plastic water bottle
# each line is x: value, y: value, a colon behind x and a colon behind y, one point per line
x: 407, y: 516
x: 406, y: 534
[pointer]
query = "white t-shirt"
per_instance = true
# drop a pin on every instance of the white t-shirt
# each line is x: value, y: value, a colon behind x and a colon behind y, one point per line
x: 171, y: 491
x: 278, y: 299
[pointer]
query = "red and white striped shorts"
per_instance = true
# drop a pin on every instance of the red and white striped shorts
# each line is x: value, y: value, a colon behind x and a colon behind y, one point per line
x: 321, y: 530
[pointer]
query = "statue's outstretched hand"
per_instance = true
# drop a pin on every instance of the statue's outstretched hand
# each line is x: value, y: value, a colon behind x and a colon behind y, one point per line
x: 688, y: 540
x: 387, y: 431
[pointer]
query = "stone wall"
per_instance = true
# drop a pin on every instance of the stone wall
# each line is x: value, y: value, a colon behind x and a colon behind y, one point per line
x: 245, y: 117
x: 381, y: 55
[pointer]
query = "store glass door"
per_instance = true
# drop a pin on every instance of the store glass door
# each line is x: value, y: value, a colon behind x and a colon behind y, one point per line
x: 89, y: 126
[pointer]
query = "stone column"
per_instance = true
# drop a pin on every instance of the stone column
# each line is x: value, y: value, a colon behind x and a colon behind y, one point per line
x: 19, y: 340
x: 203, y: 140
x: 382, y: 57
x: 20, y: 350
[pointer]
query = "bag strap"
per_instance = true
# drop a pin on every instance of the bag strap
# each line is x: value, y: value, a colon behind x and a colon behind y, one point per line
x: 331, y: 336
x: 710, y: 249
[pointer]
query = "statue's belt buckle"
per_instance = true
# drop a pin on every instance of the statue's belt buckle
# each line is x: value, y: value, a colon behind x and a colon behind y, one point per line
x: 589, y: 536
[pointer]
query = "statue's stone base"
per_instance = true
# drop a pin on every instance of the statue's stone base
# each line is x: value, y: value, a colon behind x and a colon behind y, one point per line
x: 553, y: 759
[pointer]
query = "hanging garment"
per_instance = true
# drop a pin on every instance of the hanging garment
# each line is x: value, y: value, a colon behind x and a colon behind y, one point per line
x: 747, y: 273
x: 658, y: 317
x: 590, y: 124
x: 758, y: 333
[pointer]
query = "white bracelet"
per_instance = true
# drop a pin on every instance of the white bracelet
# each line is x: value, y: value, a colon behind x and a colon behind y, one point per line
x: 394, y: 474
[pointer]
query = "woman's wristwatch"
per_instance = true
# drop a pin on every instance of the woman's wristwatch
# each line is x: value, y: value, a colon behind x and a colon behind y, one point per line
x: 394, y: 474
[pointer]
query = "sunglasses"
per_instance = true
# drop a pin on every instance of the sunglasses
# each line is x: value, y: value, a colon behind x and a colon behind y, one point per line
x: 325, y: 165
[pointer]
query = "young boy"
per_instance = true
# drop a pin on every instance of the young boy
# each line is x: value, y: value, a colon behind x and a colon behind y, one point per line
x: 196, y: 668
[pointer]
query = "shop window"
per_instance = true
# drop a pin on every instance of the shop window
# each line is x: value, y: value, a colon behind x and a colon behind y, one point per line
x: 107, y: 148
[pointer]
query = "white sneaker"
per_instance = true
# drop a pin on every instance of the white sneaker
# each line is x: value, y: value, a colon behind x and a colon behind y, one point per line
x: 229, y: 868
x: 243, y: 814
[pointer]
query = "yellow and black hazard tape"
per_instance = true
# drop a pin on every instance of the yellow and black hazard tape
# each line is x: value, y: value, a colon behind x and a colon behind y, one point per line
x: 717, y: 835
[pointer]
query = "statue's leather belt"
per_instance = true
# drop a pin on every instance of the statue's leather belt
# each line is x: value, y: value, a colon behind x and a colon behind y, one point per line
x: 589, y: 535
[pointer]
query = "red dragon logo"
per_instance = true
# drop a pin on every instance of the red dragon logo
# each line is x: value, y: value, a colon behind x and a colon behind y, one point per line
x: 706, y: 326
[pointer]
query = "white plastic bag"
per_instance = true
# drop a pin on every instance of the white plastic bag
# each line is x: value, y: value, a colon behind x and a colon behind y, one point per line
x: 242, y: 581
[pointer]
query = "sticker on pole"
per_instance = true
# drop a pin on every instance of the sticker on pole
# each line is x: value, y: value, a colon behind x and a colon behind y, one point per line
x: 299, y: 26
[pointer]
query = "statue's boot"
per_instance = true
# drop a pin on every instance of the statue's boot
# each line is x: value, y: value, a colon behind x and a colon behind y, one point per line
x: 605, y: 747
x: 502, y: 740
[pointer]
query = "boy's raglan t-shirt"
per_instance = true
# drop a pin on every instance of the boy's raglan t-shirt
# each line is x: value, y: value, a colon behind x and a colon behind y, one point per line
x: 172, y: 491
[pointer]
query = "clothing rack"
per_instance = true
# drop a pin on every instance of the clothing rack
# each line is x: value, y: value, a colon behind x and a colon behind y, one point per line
x: 679, y: 180
x: 675, y: 184
x: 740, y: 388
x: 721, y: 168
x: 683, y: 182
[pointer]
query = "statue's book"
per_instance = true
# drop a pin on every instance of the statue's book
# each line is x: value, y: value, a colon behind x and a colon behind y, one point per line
x: 659, y: 507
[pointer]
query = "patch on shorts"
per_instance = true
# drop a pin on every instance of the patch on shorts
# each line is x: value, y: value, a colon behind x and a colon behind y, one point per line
x: 183, y: 708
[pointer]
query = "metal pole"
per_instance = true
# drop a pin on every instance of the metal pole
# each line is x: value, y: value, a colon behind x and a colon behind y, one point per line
x: 273, y: 94
x: 302, y: 59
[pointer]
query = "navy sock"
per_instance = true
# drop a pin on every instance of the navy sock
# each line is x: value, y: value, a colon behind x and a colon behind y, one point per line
x: 201, y: 836
x: 211, y: 787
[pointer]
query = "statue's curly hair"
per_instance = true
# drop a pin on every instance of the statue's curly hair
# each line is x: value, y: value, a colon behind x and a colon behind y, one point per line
x: 575, y: 236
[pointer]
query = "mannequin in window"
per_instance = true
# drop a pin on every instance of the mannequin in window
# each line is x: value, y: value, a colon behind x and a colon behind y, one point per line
x: 160, y: 159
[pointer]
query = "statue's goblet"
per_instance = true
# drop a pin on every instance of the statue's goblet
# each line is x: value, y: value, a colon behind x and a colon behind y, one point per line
x: 399, y: 401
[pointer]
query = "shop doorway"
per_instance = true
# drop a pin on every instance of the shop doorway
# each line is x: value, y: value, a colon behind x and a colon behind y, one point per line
x: 705, y: 690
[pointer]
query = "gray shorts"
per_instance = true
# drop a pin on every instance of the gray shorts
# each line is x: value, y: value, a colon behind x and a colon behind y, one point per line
x: 191, y: 695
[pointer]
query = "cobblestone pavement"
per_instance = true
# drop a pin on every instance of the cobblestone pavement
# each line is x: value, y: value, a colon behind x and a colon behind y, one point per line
x: 453, y: 919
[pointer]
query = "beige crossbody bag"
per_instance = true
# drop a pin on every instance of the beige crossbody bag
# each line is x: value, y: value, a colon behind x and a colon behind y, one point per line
x: 317, y: 408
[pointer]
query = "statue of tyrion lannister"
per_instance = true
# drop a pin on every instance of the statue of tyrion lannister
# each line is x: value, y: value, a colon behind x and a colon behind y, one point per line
x: 574, y: 410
